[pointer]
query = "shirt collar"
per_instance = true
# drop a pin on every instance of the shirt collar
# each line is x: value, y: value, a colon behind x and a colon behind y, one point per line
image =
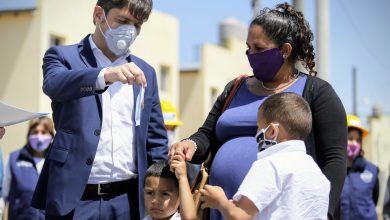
x: 286, y: 146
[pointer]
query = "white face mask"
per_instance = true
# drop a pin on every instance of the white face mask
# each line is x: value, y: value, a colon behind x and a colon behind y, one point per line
x: 118, y: 40
x: 263, y: 142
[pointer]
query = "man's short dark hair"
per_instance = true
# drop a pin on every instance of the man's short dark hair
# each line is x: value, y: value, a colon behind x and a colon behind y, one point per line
x: 161, y: 169
x: 291, y: 111
x: 140, y: 9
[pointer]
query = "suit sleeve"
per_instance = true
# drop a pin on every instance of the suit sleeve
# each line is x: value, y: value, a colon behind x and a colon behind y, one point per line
x: 157, y: 141
x: 61, y: 82
x: 330, y: 130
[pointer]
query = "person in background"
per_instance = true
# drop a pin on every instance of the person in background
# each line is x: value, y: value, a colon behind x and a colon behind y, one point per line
x: 2, y: 132
x: 108, y: 119
x: 23, y: 169
x: 386, y: 202
x: 171, y: 120
x: 278, y: 39
x: 361, y: 187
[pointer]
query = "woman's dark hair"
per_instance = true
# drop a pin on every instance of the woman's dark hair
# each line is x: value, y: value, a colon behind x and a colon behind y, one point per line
x: 140, y: 9
x: 284, y: 24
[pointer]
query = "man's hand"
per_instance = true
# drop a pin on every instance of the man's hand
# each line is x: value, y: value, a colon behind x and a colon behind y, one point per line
x: 126, y: 73
x: 212, y: 197
x: 2, y: 132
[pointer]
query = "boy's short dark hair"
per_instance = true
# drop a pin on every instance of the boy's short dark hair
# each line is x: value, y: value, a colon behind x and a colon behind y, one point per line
x: 291, y: 111
x: 140, y: 9
x: 161, y: 169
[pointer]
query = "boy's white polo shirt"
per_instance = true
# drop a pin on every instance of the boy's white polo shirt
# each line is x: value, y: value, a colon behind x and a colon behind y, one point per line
x: 286, y: 183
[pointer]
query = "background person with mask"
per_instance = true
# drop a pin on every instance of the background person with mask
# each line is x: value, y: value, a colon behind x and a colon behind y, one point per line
x: 23, y: 169
x: 277, y: 40
x: 2, y: 132
x: 361, y: 188
x: 171, y: 120
x: 108, y: 120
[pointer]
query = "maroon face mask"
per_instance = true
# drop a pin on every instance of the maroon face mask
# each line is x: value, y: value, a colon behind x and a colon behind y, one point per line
x: 266, y: 64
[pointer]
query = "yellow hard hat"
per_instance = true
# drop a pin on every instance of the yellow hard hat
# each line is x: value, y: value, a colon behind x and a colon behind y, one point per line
x: 171, y: 117
x: 355, y: 122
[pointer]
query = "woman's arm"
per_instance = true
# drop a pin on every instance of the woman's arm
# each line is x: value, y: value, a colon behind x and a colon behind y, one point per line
x: 330, y: 139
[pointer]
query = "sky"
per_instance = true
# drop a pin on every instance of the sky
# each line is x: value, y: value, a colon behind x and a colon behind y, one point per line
x: 359, y: 37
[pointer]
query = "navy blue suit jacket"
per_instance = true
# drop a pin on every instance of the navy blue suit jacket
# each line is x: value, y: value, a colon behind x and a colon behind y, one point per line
x: 70, y: 74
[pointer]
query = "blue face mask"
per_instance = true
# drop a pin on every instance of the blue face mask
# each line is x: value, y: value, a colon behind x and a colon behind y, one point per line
x: 263, y: 142
x: 118, y: 40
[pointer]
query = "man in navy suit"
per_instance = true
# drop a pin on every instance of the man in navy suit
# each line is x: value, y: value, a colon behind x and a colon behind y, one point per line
x: 108, y: 120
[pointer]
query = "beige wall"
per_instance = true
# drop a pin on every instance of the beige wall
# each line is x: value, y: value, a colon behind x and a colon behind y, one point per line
x: 377, y: 150
x: 26, y: 36
x: 20, y: 64
x: 158, y: 44
x: 218, y: 65
x: 191, y: 102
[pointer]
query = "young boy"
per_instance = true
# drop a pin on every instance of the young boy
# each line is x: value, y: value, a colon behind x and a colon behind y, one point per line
x: 164, y: 191
x: 284, y: 183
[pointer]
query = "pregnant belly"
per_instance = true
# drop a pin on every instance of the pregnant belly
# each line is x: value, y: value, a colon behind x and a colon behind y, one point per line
x: 232, y: 162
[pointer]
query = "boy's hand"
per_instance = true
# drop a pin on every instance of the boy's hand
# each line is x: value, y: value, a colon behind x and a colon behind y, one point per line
x: 178, y: 164
x: 212, y: 197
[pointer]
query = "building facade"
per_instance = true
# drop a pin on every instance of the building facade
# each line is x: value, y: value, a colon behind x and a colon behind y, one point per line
x: 29, y: 29
x: 202, y: 83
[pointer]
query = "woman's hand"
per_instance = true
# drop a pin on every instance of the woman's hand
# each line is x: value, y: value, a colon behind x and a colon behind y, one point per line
x: 186, y: 147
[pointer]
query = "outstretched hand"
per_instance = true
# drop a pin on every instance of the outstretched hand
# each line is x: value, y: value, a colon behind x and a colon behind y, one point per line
x: 212, y: 197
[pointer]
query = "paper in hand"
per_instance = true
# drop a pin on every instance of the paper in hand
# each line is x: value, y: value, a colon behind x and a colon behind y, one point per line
x: 10, y: 115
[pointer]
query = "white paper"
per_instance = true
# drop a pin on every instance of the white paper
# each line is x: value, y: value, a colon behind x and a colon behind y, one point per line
x: 139, y: 106
x: 10, y: 115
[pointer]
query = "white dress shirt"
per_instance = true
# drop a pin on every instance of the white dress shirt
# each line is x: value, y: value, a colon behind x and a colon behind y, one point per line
x: 115, y: 155
x: 286, y: 183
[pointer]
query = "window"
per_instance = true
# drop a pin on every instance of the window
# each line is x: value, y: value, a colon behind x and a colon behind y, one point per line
x: 213, y: 96
x: 164, y: 78
x: 56, y: 40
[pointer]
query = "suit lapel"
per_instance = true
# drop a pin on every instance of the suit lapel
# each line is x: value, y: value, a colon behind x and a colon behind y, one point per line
x: 89, y: 60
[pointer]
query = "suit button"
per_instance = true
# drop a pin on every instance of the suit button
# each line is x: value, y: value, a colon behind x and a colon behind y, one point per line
x: 97, y: 132
x: 89, y: 161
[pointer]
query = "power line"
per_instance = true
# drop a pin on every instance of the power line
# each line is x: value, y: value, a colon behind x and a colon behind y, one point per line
x: 356, y: 29
x: 366, y: 47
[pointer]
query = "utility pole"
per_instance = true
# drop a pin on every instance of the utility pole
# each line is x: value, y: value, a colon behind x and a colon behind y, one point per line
x: 323, y: 39
x: 354, y: 91
x: 255, y: 7
x: 299, y: 5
